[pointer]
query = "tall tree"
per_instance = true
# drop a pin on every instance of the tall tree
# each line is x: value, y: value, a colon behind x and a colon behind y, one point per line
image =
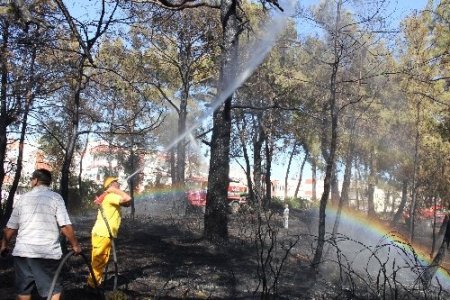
x: 179, y: 52
x: 24, y: 77
x: 86, y: 36
x: 344, y: 34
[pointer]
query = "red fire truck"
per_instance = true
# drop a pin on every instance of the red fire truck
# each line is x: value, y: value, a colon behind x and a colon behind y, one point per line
x: 427, y: 215
x: 196, y: 194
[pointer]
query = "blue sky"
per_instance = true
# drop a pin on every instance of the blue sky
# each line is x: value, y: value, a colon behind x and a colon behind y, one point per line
x: 403, y: 6
x: 408, y: 5
x: 396, y: 9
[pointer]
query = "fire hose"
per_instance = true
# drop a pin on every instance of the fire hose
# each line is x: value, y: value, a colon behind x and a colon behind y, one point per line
x: 70, y: 253
x: 58, y: 271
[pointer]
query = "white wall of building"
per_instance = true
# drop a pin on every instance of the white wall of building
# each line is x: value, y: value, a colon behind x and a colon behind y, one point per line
x: 305, y: 190
x: 32, y: 159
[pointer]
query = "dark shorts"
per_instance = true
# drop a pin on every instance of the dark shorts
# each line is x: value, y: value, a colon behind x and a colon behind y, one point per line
x: 35, y: 272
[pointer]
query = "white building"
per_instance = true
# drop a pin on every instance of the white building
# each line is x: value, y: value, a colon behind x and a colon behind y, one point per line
x: 33, y: 158
x: 305, y: 191
x: 99, y: 157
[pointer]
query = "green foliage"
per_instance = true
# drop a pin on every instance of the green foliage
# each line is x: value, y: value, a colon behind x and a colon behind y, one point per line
x: 89, y: 189
x: 117, y: 295
x: 81, y: 199
x: 295, y: 203
x: 277, y: 203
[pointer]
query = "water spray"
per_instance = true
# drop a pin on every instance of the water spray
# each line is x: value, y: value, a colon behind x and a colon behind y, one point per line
x: 257, y: 52
x: 134, y: 174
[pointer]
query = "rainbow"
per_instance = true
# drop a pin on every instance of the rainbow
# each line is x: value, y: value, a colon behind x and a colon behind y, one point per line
x: 156, y: 193
x: 356, y: 225
x: 367, y: 230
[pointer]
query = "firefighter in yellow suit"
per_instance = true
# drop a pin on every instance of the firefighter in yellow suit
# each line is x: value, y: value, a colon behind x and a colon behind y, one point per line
x: 110, y: 202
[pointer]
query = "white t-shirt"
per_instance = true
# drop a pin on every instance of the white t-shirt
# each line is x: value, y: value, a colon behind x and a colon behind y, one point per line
x: 38, y: 216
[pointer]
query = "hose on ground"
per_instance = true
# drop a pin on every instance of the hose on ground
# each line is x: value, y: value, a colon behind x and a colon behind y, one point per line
x: 116, y: 266
x: 61, y: 265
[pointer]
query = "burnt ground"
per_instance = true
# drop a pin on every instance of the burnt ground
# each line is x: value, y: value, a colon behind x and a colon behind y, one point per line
x: 161, y: 255
x: 164, y: 256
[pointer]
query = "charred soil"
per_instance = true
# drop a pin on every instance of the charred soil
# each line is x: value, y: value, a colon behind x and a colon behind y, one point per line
x: 161, y: 254
x: 165, y: 257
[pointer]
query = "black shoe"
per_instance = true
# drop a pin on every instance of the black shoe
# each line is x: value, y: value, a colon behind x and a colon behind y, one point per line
x: 90, y: 290
x: 93, y: 293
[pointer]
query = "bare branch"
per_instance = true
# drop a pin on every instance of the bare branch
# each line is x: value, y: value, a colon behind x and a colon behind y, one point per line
x: 74, y: 29
x: 182, y: 4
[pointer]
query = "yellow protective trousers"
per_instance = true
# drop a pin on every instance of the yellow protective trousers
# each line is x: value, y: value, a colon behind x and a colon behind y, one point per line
x: 101, y: 248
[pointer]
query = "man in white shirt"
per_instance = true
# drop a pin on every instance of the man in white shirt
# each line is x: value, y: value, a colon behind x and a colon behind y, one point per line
x: 38, y: 218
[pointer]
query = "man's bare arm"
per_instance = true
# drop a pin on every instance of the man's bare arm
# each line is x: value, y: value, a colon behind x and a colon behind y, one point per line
x: 125, y: 199
x: 69, y: 233
x: 8, y: 234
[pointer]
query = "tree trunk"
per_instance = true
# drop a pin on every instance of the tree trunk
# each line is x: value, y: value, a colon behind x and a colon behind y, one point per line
x: 19, y: 161
x: 216, y: 219
x: 73, y: 135
x: 343, y: 200
x: 334, y: 186
x: 359, y: 197
x: 326, y: 193
x: 401, y: 207
x: 435, y: 200
x: 131, y: 187
x: 181, y: 146
x: 251, y: 194
x: 29, y: 97
x: 301, y: 174
x: 386, y: 200
x: 371, y: 185
x: 330, y: 160
x: 314, y: 179
x: 268, y: 181
x: 258, y: 141
x: 412, y: 210
x: 347, y: 177
x: 185, y: 55
x: 133, y: 166
x: 4, y: 120
x: 81, y: 191
x: 173, y: 171
x: 433, y: 242
x: 288, y: 169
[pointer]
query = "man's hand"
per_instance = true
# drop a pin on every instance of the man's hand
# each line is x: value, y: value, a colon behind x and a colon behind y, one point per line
x: 4, y: 251
x: 113, y: 189
x: 99, y: 199
x: 76, y: 249
x: 125, y: 198
x: 8, y: 233
x: 69, y: 233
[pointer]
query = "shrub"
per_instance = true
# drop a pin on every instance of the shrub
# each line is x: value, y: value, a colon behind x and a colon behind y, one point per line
x: 295, y: 203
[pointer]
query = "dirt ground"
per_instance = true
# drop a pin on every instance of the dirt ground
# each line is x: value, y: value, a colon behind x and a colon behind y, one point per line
x: 161, y: 255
